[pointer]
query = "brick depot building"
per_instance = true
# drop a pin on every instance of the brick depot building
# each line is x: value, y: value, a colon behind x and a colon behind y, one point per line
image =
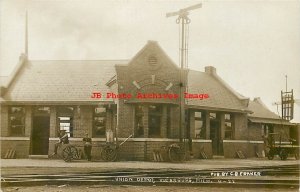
x: 42, y: 97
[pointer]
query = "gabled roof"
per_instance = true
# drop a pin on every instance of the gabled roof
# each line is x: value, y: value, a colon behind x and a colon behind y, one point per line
x: 74, y: 81
x: 261, y: 114
x: 153, y: 46
x: 260, y: 110
x: 53, y: 81
x: 7, y: 81
x: 221, y: 97
x: 3, y: 80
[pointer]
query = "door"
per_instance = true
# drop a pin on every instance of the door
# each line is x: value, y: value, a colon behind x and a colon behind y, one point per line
x: 154, y: 120
x: 40, y: 135
x: 154, y: 126
x: 215, y: 136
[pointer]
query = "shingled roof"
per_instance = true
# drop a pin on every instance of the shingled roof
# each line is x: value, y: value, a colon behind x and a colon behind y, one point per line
x: 63, y: 81
x: 260, y: 110
x: 60, y: 81
x: 3, y: 80
x: 261, y: 114
x: 55, y: 81
x: 221, y: 96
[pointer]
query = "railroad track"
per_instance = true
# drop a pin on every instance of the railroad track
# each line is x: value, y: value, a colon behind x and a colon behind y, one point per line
x: 265, y: 176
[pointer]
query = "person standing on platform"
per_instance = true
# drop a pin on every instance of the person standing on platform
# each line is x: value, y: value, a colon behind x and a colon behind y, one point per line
x: 87, y: 147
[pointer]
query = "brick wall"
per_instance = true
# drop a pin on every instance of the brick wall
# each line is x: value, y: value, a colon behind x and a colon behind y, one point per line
x: 131, y: 150
x: 147, y: 147
x: 143, y: 150
x: 163, y: 131
x: 85, y: 118
x: 240, y: 124
x: 248, y: 148
x: 175, y: 113
x: 150, y: 146
x: 126, y: 120
x: 4, y: 120
x: 255, y: 131
x: 109, y: 119
x: 140, y: 71
x: 53, y: 128
x: 222, y: 125
x: 28, y: 120
x: 283, y: 130
x: 192, y: 124
x: 145, y: 121
x: 21, y: 147
x: 77, y: 129
x: 207, y: 125
x: 202, y: 146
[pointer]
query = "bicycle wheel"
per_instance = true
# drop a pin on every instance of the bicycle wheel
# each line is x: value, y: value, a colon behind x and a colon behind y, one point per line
x: 69, y: 153
x: 109, y: 153
x: 176, y: 153
x: 297, y: 155
x: 283, y: 154
x: 271, y: 154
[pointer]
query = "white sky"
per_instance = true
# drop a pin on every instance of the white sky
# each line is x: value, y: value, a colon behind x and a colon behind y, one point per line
x: 253, y: 44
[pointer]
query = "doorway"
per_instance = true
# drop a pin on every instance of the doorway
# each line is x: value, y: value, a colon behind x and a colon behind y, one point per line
x: 40, y: 135
x: 154, y: 120
x: 215, y: 136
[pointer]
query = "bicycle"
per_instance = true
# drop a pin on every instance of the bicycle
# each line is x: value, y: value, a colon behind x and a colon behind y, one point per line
x: 175, y: 152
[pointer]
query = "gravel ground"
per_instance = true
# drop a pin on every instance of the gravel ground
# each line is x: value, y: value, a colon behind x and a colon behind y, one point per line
x: 46, y: 166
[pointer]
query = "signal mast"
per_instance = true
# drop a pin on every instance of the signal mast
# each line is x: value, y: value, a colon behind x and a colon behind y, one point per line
x: 183, y: 22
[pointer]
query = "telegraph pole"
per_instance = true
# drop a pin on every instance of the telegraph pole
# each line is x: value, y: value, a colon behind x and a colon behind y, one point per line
x: 287, y: 103
x: 183, y: 21
x: 26, y: 34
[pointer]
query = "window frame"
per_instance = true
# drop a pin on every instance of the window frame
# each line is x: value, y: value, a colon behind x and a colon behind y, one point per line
x: 21, y: 115
x: 156, y: 114
x: 201, y: 118
x: 138, y: 121
x: 229, y: 129
x: 61, y: 114
x: 100, y: 115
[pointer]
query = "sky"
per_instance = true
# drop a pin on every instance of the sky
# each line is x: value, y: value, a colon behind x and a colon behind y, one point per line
x: 252, y: 44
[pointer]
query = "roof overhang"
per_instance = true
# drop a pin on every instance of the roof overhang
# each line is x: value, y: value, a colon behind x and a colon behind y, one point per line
x: 56, y: 102
x: 218, y: 109
x: 149, y: 102
x: 269, y: 121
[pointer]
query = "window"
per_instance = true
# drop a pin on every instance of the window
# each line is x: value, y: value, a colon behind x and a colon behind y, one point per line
x: 212, y: 116
x: 138, y: 124
x: 17, y: 121
x: 169, y: 122
x: 41, y: 110
x: 228, y: 126
x: 65, y: 117
x: 199, y: 125
x: 99, y: 122
x: 154, y: 120
x: 266, y: 129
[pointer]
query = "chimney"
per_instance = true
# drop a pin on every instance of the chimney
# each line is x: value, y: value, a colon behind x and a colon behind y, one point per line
x: 210, y: 70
